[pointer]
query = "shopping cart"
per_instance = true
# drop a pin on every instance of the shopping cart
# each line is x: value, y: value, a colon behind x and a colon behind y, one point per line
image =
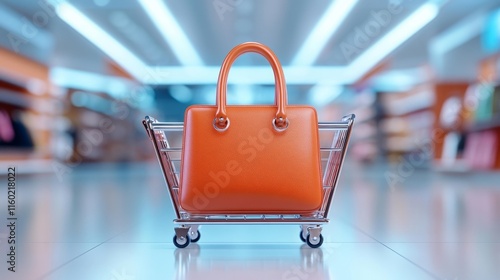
x: 167, y: 142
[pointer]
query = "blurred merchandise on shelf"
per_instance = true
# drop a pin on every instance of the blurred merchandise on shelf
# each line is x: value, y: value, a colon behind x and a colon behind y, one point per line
x: 26, y: 111
x: 426, y: 94
x: 13, y: 132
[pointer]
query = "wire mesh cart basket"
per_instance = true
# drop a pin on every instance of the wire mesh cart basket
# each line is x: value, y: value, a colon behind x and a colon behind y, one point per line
x: 167, y: 142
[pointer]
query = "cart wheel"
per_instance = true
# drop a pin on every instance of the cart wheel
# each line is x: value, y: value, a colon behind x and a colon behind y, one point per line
x: 182, y: 242
x: 302, y: 236
x: 314, y: 243
x: 194, y: 236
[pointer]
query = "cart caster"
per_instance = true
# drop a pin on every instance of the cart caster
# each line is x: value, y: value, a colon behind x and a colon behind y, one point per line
x: 311, y: 235
x: 314, y: 242
x: 304, y: 231
x: 181, y: 237
x: 181, y: 242
x: 194, y: 236
x: 303, y: 235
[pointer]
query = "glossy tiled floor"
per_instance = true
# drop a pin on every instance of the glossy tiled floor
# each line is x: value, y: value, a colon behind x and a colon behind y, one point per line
x: 114, y: 223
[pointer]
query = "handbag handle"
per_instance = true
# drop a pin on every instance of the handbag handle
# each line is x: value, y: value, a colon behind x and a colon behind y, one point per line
x: 280, y: 122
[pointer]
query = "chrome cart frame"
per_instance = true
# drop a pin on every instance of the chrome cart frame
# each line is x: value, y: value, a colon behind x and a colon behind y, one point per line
x: 167, y: 142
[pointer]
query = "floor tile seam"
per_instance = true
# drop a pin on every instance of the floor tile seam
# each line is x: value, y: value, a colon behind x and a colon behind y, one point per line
x: 44, y: 276
x: 395, y: 252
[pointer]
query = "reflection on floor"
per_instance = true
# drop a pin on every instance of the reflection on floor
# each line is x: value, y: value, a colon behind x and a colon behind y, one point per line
x: 113, y: 222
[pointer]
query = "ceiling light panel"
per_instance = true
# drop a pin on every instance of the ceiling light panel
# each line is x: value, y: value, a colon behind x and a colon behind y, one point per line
x: 323, y: 31
x: 173, y: 34
x: 104, y: 41
x: 393, y: 39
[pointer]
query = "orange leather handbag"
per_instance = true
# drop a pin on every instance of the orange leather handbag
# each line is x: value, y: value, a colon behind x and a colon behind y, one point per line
x: 251, y: 159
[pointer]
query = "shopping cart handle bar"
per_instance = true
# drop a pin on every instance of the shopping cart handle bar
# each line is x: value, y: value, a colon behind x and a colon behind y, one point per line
x: 167, y: 125
x: 154, y: 124
x: 333, y: 125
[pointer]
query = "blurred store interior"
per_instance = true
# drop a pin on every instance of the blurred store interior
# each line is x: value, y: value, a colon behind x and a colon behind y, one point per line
x: 422, y: 76
x: 77, y: 76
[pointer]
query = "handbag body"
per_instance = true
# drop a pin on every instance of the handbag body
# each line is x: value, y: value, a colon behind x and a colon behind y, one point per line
x: 259, y: 159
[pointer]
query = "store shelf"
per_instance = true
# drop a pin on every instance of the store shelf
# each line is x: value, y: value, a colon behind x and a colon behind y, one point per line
x: 19, y: 83
x: 364, y: 115
x: 364, y: 131
x: 459, y: 166
x: 415, y: 122
x: 12, y: 82
x: 400, y: 104
x: 27, y: 166
x: 493, y: 123
x: 26, y: 101
x: 10, y: 97
x: 23, y: 84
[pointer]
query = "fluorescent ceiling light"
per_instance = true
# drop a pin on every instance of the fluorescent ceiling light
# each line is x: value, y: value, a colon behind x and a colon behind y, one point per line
x: 116, y: 87
x: 401, y: 79
x: 172, y: 32
x: 76, y: 79
x: 193, y: 71
x: 323, y: 31
x: 323, y: 94
x: 393, y: 39
x: 459, y: 34
x: 248, y: 75
x: 16, y: 24
x: 95, y: 34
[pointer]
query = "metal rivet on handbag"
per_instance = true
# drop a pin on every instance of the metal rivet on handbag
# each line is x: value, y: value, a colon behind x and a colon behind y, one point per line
x: 251, y: 159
